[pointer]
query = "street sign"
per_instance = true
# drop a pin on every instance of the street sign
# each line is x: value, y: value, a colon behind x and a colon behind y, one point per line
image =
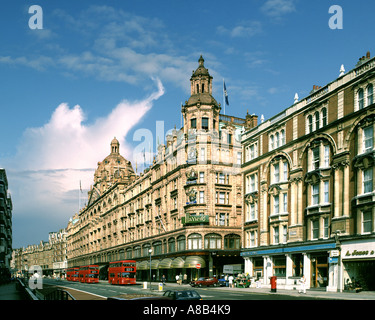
x: 333, y: 260
x: 334, y: 253
x: 198, y: 266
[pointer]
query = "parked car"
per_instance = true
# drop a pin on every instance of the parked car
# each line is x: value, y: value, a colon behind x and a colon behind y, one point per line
x: 223, y: 282
x: 205, y: 281
x: 182, y: 295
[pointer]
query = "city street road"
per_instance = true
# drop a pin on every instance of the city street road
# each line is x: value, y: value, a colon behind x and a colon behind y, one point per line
x: 210, y: 293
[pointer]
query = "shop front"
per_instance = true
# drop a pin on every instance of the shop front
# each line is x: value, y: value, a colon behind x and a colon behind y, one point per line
x: 188, y: 267
x: 289, y: 264
x: 358, y: 259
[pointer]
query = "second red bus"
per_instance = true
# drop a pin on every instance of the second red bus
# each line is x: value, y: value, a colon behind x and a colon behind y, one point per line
x: 72, y: 274
x: 122, y: 272
x: 89, y: 274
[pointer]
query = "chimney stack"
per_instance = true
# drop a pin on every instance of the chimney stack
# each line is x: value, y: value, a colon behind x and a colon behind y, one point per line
x: 251, y: 121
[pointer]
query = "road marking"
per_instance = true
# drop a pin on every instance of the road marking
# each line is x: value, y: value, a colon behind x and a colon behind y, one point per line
x: 84, y: 292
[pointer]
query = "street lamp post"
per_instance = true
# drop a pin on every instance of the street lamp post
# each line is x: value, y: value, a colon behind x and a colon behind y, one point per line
x: 150, y: 252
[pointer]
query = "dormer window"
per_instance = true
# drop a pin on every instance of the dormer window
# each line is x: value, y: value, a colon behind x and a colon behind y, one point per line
x: 193, y: 123
x: 205, y: 123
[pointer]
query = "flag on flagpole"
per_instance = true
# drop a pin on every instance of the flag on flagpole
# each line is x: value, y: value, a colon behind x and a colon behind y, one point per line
x: 144, y: 158
x: 226, y: 95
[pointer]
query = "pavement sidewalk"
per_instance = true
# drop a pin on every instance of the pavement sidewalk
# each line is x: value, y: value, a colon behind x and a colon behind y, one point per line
x: 8, y: 291
x: 319, y: 294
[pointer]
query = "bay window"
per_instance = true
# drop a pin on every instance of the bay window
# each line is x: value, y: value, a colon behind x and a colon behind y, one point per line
x: 315, y: 229
x: 276, y: 204
x: 367, y: 222
x: 367, y: 180
x: 368, y: 138
x: 276, y: 236
x: 315, y: 194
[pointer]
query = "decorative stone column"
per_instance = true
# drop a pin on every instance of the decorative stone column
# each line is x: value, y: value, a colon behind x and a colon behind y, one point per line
x: 289, y: 271
x: 307, y: 269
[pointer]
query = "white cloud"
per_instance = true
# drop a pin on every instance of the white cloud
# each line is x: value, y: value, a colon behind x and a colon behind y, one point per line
x: 278, y: 8
x: 245, y: 29
x: 52, y: 159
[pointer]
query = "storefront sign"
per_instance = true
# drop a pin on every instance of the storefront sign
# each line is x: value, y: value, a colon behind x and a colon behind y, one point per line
x: 195, y: 219
x: 356, y: 253
x: 358, y: 250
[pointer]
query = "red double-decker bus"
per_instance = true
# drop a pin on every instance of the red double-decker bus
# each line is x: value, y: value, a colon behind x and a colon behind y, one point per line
x: 89, y: 274
x: 72, y: 274
x: 122, y: 272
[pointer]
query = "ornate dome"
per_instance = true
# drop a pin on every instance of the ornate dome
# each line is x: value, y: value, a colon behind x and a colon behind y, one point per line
x: 114, y: 168
x: 201, y: 86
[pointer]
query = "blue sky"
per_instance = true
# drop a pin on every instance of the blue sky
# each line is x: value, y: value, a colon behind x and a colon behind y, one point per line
x: 100, y: 69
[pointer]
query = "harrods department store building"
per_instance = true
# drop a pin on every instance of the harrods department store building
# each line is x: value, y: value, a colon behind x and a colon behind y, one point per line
x: 186, y: 207
x: 308, y: 177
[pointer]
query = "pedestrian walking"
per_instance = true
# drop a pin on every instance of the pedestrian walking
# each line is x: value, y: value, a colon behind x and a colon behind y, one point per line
x: 163, y: 279
x: 177, y: 278
x: 231, y: 281
x: 302, y: 282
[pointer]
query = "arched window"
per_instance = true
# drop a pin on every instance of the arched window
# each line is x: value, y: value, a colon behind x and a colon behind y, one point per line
x: 145, y: 250
x: 271, y: 142
x: 324, y: 117
x: 157, y: 246
x: 317, y: 120
x: 194, y: 241
x: 172, y: 245
x: 212, y: 241
x: 137, y: 251
x: 282, y: 137
x: 181, y: 243
x: 360, y: 99
x: 370, y: 95
x: 277, y: 140
x: 232, y: 241
x: 310, y: 123
x: 128, y: 253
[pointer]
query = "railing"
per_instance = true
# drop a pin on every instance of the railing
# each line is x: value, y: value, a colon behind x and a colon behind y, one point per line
x: 59, y: 294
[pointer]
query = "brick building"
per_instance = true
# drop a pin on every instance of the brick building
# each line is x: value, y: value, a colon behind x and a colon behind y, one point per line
x: 308, y: 178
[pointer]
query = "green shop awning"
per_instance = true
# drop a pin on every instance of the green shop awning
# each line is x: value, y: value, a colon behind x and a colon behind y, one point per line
x: 154, y: 264
x: 192, y: 261
x: 142, y: 265
x: 178, y: 263
x: 165, y: 263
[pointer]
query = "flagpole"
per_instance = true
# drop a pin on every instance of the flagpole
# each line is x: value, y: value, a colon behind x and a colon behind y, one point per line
x: 224, y: 95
